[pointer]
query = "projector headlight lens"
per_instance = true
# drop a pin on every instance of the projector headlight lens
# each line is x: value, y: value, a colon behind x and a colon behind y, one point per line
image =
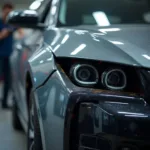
x: 114, y: 79
x: 84, y: 74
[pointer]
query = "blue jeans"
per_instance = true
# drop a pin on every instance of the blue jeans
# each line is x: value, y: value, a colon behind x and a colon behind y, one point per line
x: 5, y: 64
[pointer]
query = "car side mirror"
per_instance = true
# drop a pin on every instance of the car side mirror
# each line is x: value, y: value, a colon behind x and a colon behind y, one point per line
x: 24, y: 19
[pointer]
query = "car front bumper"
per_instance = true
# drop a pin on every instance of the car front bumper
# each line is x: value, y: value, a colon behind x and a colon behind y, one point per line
x: 92, y: 119
x: 105, y: 121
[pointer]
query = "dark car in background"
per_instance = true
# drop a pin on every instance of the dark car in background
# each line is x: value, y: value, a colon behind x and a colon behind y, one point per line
x: 81, y: 78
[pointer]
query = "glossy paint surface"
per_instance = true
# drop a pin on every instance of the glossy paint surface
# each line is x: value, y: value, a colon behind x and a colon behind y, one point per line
x: 42, y: 65
x: 53, y: 98
x: 34, y: 58
x: 125, y: 44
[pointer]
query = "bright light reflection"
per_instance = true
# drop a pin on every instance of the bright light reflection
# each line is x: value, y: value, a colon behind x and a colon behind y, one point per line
x: 109, y: 30
x: 130, y: 113
x: 49, y: 59
x: 140, y: 116
x: 34, y: 79
x: 68, y: 30
x: 96, y: 39
x: 35, y: 5
x: 53, y: 11
x: 78, y: 49
x: 29, y: 12
x: 146, y: 56
x: 55, y: 2
x: 129, y: 97
x: 101, y: 18
x: 117, y: 103
x: 117, y: 42
x: 38, y: 55
x: 69, y: 90
x: 56, y: 37
x: 95, y: 36
x: 80, y: 32
x: 65, y: 39
x: 41, y: 61
x: 62, y: 81
x: 55, y: 49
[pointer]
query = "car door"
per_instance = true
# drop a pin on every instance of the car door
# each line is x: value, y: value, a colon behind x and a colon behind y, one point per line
x: 22, y: 52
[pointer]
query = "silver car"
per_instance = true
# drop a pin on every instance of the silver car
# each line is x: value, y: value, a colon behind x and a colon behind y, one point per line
x: 81, y: 78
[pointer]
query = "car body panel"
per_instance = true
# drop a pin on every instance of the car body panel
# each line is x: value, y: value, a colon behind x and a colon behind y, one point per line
x: 39, y: 67
x: 20, y: 56
x: 118, y: 44
x: 42, y: 65
x: 52, y: 99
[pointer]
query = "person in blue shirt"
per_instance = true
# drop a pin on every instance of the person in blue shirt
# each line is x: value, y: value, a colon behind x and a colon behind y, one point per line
x: 6, y: 47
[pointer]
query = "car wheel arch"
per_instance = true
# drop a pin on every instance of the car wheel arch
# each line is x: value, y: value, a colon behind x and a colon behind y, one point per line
x: 29, y: 87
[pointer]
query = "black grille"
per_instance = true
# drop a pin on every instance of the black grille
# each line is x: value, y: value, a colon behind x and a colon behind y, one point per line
x: 145, y: 147
x: 135, y: 146
x: 93, y: 143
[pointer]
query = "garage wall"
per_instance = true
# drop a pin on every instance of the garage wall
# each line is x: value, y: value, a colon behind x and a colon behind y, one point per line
x: 24, y: 5
x: 19, y: 4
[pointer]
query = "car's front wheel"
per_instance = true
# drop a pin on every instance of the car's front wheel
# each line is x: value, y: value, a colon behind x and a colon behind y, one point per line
x: 34, y: 135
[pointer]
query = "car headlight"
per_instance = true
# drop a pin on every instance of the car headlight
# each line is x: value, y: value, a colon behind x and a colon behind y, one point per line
x: 114, y: 79
x: 102, y: 75
x: 84, y: 74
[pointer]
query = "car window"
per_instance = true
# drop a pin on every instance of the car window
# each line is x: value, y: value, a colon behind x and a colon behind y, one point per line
x: 104, y: 12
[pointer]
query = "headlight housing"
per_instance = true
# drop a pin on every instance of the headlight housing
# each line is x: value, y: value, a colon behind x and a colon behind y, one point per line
x: 84, y: 74
x: 101, y: 75
x: 114, y: 79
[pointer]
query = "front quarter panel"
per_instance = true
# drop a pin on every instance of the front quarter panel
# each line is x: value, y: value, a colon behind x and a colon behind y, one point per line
x: 52, y: 99
x: 41, y: 65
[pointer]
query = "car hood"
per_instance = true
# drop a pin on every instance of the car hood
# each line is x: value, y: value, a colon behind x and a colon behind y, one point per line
x: 125, y: 44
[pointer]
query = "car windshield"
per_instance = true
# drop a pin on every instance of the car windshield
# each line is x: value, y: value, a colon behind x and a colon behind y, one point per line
x: 104, y: 12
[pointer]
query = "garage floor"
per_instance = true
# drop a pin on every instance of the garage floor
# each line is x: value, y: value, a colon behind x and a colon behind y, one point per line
x: 10, y: 139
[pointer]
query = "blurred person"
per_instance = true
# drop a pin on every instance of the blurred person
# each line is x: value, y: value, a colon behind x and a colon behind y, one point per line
x: 6, y: 44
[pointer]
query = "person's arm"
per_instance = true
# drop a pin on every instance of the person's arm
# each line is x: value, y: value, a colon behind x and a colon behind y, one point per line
x: 5, y: 33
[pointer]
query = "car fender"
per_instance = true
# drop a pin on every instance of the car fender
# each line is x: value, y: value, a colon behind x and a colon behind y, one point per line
x: 40, y: 66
